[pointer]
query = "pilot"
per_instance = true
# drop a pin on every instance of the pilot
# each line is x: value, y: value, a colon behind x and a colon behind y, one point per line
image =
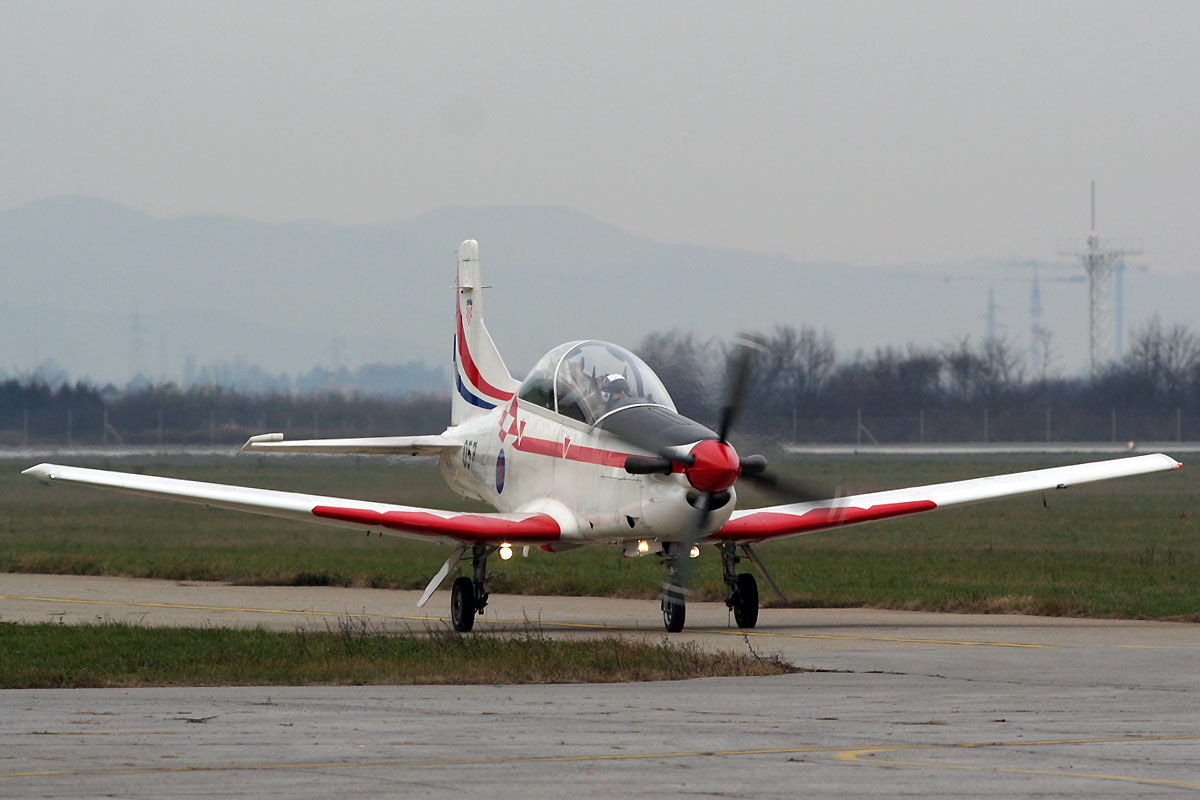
x: 615, y: 391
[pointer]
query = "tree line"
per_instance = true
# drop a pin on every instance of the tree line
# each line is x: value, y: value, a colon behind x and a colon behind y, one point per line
x: 802, y: 389
x: 32, y: 412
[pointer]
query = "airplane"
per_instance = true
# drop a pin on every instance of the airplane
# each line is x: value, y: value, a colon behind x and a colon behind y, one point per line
x: 588, y: 450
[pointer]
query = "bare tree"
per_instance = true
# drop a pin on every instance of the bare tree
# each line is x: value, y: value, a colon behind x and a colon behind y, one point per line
x: 687, y: 368
x: 981, y: 374
x: 792, y: 375
x: 1168, y: 358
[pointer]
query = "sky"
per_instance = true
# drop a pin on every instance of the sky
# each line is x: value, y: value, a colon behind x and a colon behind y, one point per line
x: 872, y: 133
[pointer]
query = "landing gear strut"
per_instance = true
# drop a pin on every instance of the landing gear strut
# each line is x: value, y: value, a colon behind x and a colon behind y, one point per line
x: 469, y: 597
x: 741, y: 591
x: 674, y: 607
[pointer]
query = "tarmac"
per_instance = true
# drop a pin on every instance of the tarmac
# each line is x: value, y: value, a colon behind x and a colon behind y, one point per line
x: 894, y: 704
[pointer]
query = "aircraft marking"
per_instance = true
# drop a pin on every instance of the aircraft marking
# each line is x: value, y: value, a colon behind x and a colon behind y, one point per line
x: 470, y: 398
x: 537, y: 528
x: 766, y: 524
x: 565, y: 450
x: 472, y: 371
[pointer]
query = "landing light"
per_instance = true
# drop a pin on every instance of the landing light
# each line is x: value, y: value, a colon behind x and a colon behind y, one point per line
x: 695, y: 551
x: 505, y: 551
x: 643, y: 546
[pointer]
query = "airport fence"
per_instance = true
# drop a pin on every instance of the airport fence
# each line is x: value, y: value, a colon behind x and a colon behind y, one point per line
x: 856, y: 426
x: 229, y: 422
x: 233, y: 424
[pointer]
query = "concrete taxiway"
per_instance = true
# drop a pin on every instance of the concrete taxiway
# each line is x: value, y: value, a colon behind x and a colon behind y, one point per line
x: 900, y: 704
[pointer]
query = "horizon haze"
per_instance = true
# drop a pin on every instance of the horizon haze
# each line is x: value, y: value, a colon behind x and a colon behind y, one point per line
x: 774, y: 163
x: 107, y: 291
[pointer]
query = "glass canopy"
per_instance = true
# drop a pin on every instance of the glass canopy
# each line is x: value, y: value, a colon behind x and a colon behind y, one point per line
x: 590, y: 379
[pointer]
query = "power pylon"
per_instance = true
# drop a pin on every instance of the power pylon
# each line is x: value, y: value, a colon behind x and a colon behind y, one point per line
x: 1099, y: 258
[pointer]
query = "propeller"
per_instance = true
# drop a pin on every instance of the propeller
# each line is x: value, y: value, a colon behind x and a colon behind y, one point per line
x: 789, y: 490
x: 712, y: 467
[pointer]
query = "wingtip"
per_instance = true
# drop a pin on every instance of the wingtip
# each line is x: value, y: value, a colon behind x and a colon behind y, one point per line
x: 1174, y: 462
x: 43, y: 472
x: 1171, y: 462
x: 261, y: 438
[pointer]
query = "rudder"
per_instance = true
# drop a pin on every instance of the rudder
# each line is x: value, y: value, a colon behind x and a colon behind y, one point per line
x: 481, y: 380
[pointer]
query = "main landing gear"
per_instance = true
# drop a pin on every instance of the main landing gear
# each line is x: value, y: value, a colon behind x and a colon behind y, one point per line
x: 741, y: 591
x: 469, y: 597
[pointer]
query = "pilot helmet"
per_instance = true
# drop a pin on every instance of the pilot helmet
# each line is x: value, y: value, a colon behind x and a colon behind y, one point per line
x: 614, y: 384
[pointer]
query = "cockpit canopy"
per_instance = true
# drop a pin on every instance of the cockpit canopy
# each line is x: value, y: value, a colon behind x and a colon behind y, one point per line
x: 590, y: 379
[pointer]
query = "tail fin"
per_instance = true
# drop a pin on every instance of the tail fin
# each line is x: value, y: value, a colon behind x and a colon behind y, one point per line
x: 481, y: 381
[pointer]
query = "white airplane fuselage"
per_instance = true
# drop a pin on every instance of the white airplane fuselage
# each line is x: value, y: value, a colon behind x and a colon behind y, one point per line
x: 570, y: 470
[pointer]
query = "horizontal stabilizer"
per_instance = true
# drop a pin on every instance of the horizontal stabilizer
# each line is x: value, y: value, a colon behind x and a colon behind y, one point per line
x: 376, y: 445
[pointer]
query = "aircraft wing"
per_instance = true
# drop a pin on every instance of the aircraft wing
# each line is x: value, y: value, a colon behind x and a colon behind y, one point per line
x: 774, y: 522
x: 423, y: 524
x: 377, y: 445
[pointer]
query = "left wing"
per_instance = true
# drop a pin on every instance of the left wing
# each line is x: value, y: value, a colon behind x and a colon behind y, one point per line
x: 424, y: 524
x: 774, y: 522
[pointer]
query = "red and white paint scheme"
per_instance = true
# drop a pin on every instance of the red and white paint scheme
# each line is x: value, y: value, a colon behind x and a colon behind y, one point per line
x: 588, y: 450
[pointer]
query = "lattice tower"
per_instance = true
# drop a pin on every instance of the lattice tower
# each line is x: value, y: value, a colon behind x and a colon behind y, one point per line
x: 1099, y: 258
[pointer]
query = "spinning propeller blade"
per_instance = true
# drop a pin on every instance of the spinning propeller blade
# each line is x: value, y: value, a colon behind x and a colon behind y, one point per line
x: 715, y: 494
x: 746, y: 348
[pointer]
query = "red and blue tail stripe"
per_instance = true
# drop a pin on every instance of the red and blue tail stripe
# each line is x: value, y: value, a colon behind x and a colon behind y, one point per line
x: 476, y: 390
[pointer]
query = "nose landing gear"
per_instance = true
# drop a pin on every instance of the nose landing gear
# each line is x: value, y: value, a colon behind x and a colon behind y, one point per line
x: 674, y: 605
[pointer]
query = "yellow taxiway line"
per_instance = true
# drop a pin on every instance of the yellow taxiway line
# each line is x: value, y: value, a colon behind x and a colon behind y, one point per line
x: 860, y: 754
x: 187, y: 607
x: 520, y: 623
x: 856, y: 755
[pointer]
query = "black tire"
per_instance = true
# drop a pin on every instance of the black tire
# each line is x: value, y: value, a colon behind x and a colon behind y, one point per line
x: 462, y: 604
x: 674, y: 612
x: 745, y: 602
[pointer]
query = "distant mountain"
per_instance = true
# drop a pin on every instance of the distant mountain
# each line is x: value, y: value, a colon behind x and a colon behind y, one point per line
x: 107, y: 291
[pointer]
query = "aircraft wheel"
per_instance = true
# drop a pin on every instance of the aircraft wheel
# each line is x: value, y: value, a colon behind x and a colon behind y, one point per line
x: 462, y: 604
x: 745, y: 602
x: 674, y: 611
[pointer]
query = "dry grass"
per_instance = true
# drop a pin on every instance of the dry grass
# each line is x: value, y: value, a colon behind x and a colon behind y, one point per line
x: 350, y: 652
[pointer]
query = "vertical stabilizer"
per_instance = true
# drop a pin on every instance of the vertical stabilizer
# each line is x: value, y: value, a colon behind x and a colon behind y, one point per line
x: 481, y: 381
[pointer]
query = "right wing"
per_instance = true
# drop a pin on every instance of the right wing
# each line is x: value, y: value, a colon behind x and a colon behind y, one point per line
x: 422, y: 524
x: 376, y: 445
x: 775, y: 522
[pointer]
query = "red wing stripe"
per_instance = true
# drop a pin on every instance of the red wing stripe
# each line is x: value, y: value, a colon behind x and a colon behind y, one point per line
x: 472, y: 371
x: 768, y: 524
x: 465, y: 527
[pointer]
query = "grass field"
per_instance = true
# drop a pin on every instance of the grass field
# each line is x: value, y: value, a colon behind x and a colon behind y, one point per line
x: 351, y: 652
x: 1125, y: 548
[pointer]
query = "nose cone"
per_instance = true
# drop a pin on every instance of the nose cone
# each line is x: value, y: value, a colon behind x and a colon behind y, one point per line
x: 716, y: 466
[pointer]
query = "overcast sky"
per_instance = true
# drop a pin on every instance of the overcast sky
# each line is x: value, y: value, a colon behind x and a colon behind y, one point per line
x: 873, y: 133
